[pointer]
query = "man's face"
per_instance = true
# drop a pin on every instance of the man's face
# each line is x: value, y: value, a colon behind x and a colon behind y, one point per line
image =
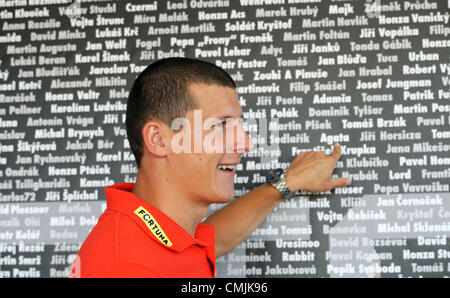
x: 212, y: 142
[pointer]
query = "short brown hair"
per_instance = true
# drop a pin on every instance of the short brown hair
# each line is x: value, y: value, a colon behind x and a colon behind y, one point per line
x: 161, y: 93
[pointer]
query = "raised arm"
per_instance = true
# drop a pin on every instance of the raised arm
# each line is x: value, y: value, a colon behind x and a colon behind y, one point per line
x: 309, y: 171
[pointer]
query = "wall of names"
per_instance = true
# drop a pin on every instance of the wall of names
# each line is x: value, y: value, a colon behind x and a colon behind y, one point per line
x: 371, y: 75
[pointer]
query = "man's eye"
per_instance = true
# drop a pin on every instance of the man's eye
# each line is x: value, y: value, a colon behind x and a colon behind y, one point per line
x: 219, y: 124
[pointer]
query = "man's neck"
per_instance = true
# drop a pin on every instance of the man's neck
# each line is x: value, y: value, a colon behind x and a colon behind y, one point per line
x: 157, y: 190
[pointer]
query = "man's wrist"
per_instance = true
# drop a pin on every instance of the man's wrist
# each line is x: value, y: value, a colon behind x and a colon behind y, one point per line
x: 281, y: 185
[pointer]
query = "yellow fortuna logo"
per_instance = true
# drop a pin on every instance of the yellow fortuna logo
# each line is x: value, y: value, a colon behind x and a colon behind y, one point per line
x: 152, y: 225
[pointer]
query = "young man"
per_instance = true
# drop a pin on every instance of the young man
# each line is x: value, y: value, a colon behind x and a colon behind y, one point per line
x: 153, y: 228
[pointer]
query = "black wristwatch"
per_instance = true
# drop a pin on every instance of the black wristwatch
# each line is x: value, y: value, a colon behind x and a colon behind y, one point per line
x: 277, y: 178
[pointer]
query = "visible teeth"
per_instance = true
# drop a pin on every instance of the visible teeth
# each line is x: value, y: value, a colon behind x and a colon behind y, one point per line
x: 223, y: 167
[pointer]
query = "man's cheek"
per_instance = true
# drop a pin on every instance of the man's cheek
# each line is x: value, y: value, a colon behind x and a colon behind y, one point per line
x: 213, y: 142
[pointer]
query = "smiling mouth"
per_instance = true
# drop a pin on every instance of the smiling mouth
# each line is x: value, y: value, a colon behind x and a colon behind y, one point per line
x: 228, y: 168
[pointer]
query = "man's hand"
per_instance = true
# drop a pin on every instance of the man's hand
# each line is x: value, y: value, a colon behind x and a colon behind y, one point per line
x: 311, y: 171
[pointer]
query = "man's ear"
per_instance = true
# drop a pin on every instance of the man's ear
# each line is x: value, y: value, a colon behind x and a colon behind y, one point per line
x: 155, y: 140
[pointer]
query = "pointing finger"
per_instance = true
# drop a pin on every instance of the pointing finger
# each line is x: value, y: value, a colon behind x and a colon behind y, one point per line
x: 337, y: 151
x: 340, y: 182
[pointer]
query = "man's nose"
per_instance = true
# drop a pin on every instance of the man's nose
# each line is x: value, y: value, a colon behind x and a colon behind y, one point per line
x: 241, y: 142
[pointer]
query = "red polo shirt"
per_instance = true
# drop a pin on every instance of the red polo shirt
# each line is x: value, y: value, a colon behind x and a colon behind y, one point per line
x: 134, y: 239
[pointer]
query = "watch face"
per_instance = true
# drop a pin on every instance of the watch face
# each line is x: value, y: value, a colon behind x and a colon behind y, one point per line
x: 274, y: 175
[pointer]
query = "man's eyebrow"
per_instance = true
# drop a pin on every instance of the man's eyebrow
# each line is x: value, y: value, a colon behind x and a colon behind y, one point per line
x: 230, y: 116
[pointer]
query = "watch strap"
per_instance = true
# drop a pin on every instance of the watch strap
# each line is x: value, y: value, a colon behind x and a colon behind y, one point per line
x: 282, y: 187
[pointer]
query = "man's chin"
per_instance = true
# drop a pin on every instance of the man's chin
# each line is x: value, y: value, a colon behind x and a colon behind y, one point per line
x: 225, y: 191
x: 225, y: 197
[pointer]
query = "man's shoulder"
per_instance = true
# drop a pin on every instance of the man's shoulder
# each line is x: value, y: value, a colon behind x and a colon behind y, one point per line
x: 113, y: 228
x: 112, y: 244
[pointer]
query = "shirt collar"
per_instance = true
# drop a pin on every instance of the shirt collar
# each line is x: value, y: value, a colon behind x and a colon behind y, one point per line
x: 155, y: 223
